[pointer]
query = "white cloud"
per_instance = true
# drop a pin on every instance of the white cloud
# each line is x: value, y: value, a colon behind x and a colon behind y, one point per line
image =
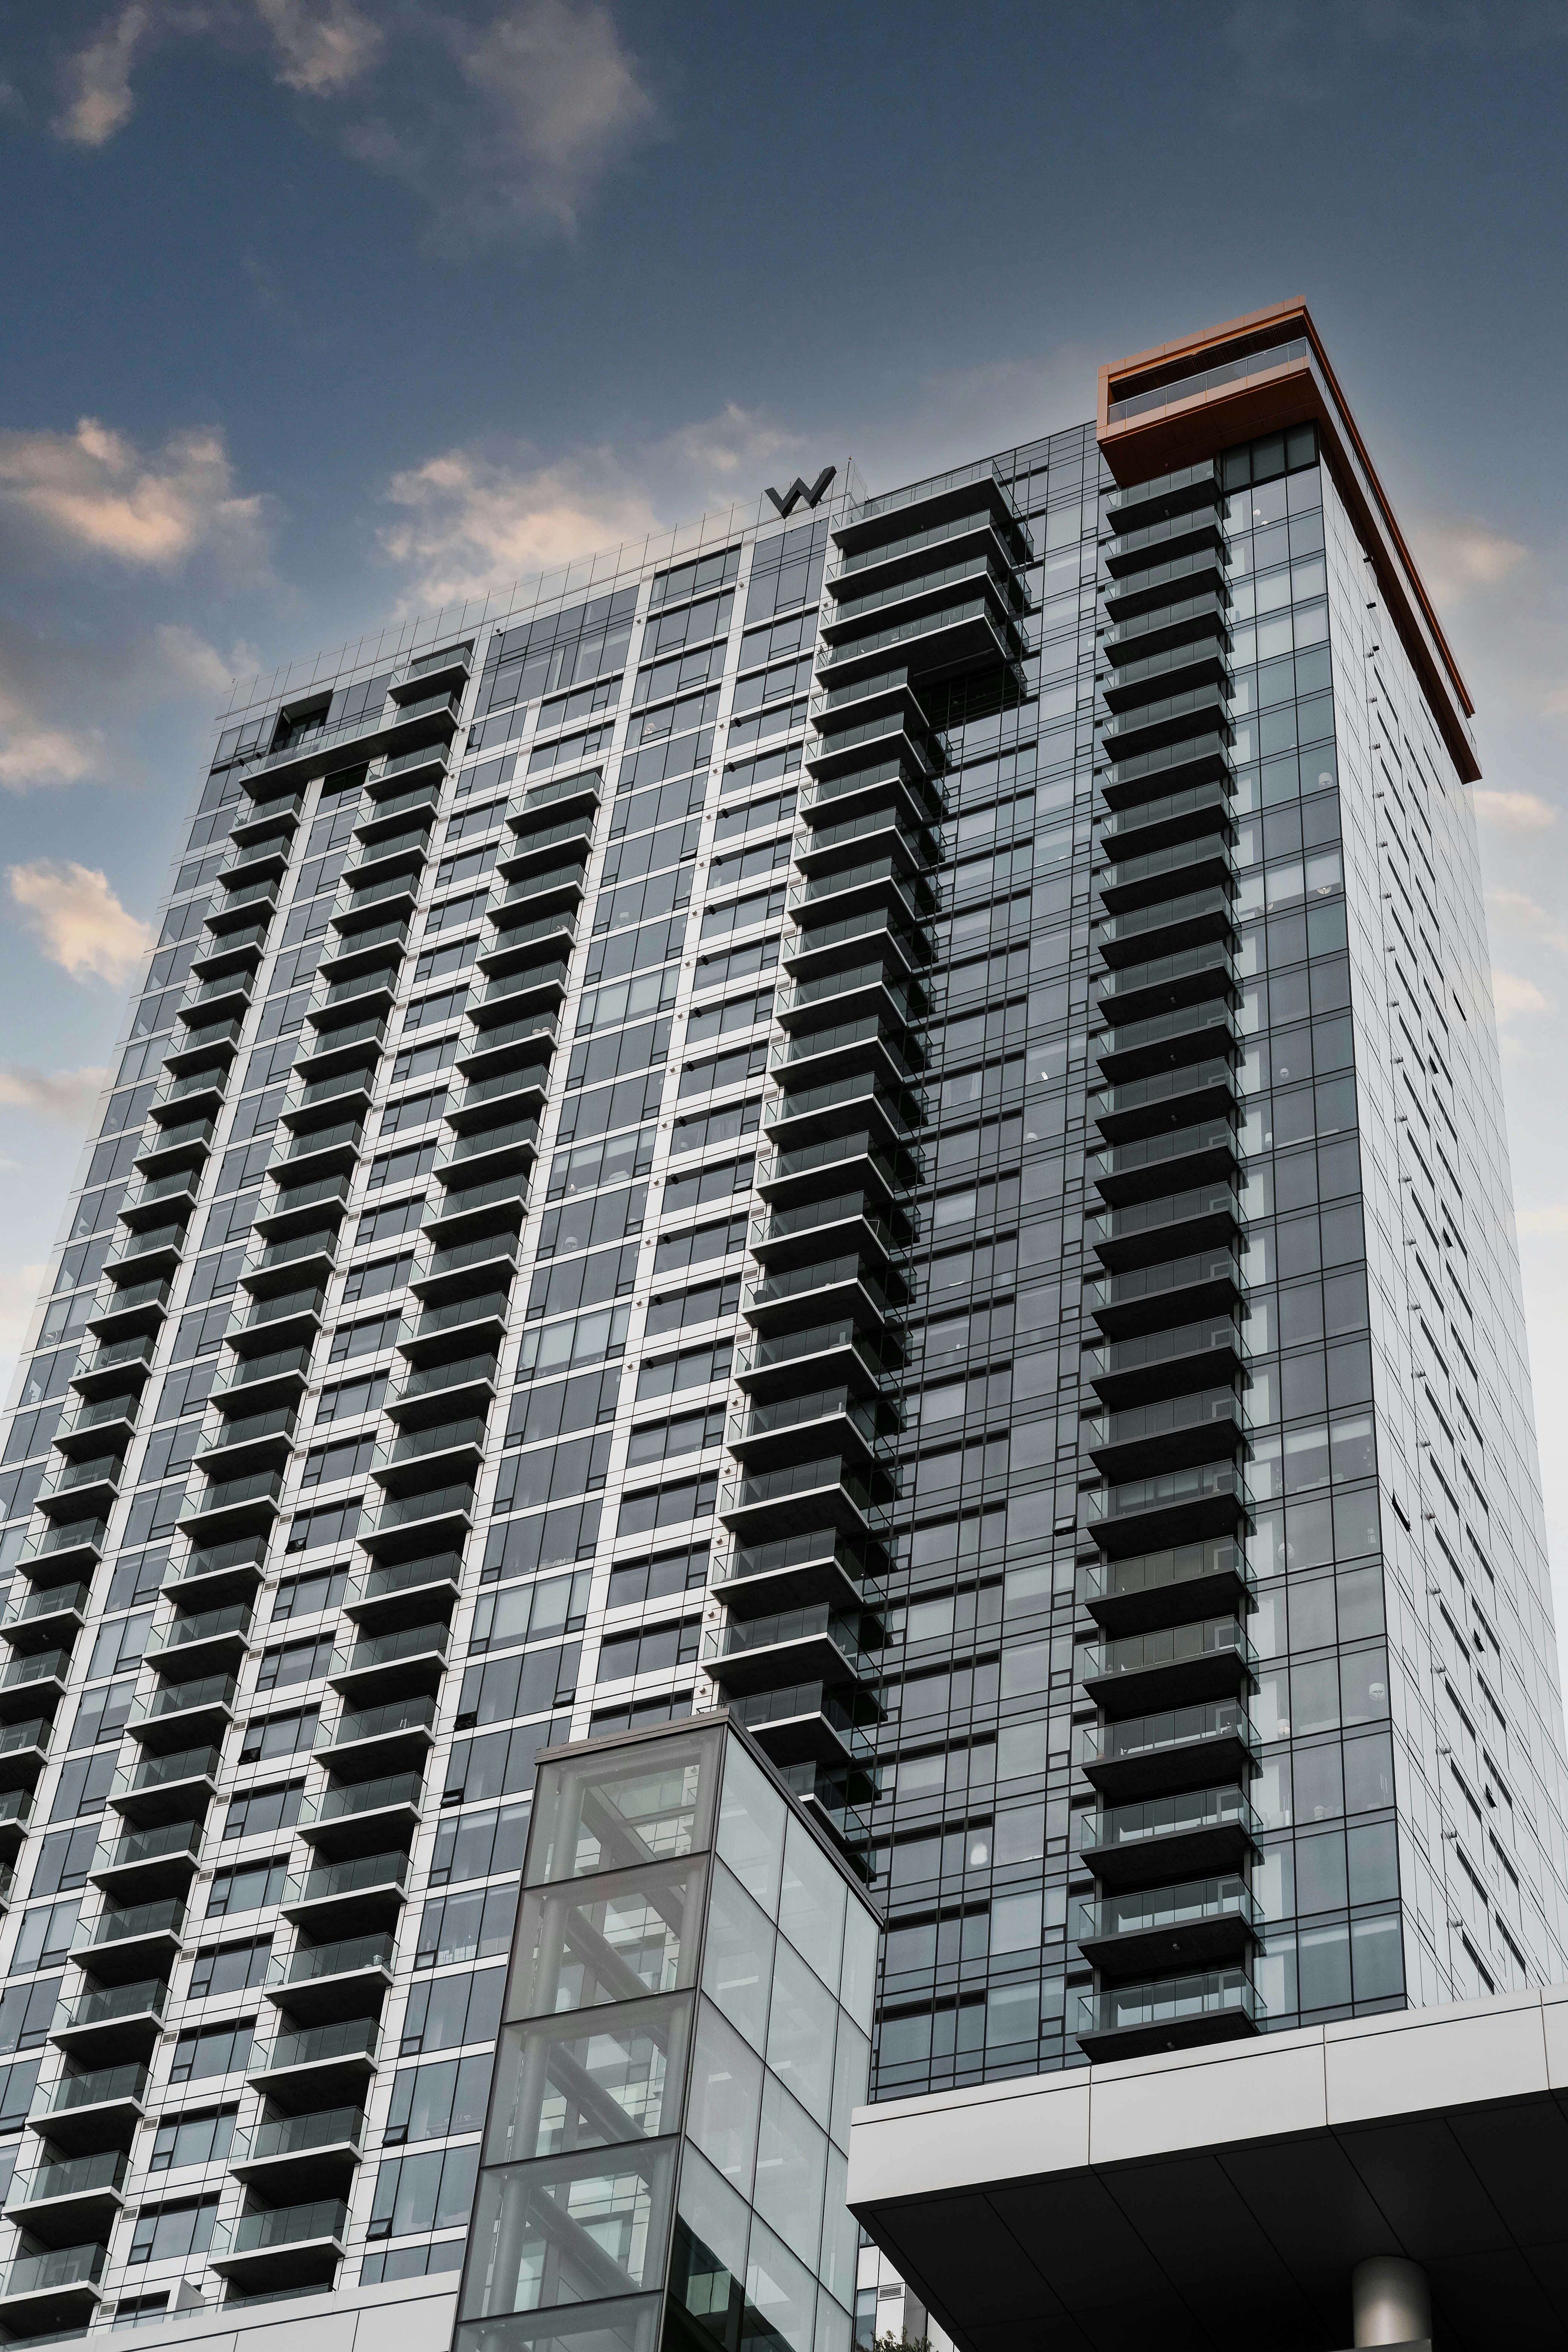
x: 1543, y: 1221
x: 79, y: 920
x: 1512, y: 995
x: 95, y: 491
x: 98, y: 99
x: 1459, y: 554
x: 62, y: 1097
x: 1520, y: 811
x: 503, y: 116
x: 472, y: 522
x: 732, y: 450
x: 193, y: 663
x: 33, y: 754
x: 319, y: 49
x: 19, y: 1287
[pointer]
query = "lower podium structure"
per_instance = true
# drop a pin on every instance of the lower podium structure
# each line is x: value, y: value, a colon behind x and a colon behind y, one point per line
x: 1385, y: 2180
x: 685, y: 2034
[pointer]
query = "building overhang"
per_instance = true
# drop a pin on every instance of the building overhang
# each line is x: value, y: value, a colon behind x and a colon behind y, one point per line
x: 1220, y: 2197
x: 1158, y: 410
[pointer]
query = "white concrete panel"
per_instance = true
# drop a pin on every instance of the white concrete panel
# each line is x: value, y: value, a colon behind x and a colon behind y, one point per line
x: 965, y: 2138
x: 1434, y: 2058
x: 422, y: 2326
x: 414, y: 2316
x: 1246, y: 2090
x: 1554, y: 2029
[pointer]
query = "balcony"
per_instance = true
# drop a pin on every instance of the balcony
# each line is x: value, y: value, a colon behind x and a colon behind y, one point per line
x: 316, y: 1152
x: 1167, y: 1588
x: 795, y: 1428
x: 1199, y: 1925
x: 852, y: 838
x: 122, y: 1945
x: 904, y: 785
x: 793, y: 1235
x: 290, y: 2249
x: 338, y: 1053
x: 227, y: 996
x: 211, y: 1575
x: 49, y: 1619
x: 480, y: 1262
x: 1194, y: 708
x: 283, y: 1210
x: 141, y: 1251
x: 433, y: 1517
x: 803, y: 1172
x: 308, y: 749
x: 905, y: 591
x: 1173, y: 1507
x: 29, y: 1683
x: 511, y: 1149
x: 326, y: 1984
x: 1169, y: 767
x: 112, y: 2024
x: 339, y: 1900
x: 1203, y: 1833
x: 1152, y: 1754
x: 796, y: 1297
x: 187, y: 1646
x: 525, y: 946
x: 241, y: 1442
x: 853, y: 1105
x: 838, y: 1351
x: 23, y: 1752
x: 402, y: 1592
x: 53, y: 2294
x: 1144, y: 1233
x: 62, y: 2204
x: 92, y: 1425
x: 775, y: 1501
x: 545, y: 848
x: 248, y: 902
x: 1167, y: 1666
x: 1165, y: 1363
x: 884, y: 881
x: 145, y: 1863
x: 384, y: 1666
x: 364, y: 1816
x: 255, y: 1382
x: 809, y: 1724
x: 1171, y: 2013
x: 1174, y: 1433
x: 184, y: 1715
x: 537, y: 989
x: 390, y: 856
x: 866, y: 1042
x: 291, y: 1316
x: 819, y: 1568
x: 132, y: 1307
x: 509, y: 1094
x: 435, y: 1392
x: 367, y: 1743
x: 114, y: 1369
x: 387, y: 815
x: 1147, y: 1299
x: 1202, y: 1154
x: 460, y: 1327
x: 301, y: 2158
x: 216, y: 1508
x: 522, y: 1036
x: 370, y: 949
x: 1168, y: 1041
x: 974, y: 632
x: 557, y: 890
x: 87, y: 2111
x: 813, y: 1643
x: 15, y: 1814
x: 238, y: 953
x: 1167, y: 1100
x: 159, y: 1789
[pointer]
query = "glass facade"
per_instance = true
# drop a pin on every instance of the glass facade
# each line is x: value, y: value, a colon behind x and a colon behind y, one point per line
x: 674, y: 2077
x: 891, y: 1118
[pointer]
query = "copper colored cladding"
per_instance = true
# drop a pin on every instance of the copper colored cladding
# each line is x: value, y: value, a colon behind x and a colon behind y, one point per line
x: 1203, y: 423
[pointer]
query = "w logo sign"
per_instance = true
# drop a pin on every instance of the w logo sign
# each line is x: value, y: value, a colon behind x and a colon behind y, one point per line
x: 798, y: 489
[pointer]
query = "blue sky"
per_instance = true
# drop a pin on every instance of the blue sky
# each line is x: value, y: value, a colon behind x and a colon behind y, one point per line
x: 321, y: 311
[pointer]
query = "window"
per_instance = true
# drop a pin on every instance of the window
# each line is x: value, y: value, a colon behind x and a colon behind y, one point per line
x: 347, y: 1457
x: 694, y: 1368
x: 479, y: 1845
x: 622, y: 1655
x: 263, y: 1810
x: 423, y: 2193
x: 668, y: 1505
x: 279, y: 1735
x: 229, y: 1968
x: 686, y: 1433
x: 294, y: 1662
x: 211, y: 2050
x: 192, y: 2139
x: 334, y: 1525
x: 46, y: 1936
x: 167, y: 2233
x: 249, y: 1888
x: 658, y: 1578
x: 449, y: 2012
x: 466, y: 1927
x: 354, y: 1399
x: 308, y: 1596
x: 84, y: 1783
x: 563, y: 1406
x: 434, y: 2101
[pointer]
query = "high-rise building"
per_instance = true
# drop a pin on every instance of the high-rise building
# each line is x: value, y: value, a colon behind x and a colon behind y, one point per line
x: 885, y: 1112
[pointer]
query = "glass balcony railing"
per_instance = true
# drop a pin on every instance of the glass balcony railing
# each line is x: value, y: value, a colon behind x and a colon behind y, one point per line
x: 1147, y: 1735
x: 798, y: 1411
x: 759, y: 1709
x: 801, y: 1281
x: 443, y: 1437
x: 309, y: 1962
x: 407, y: 1642
x: 169, y: 1841
x: 810, y: 1216
x: 104, y: 2171
x: 431, y: 1266
x: 394, y: 1576
x: 113, y: 1926
x: 22, y: 1738
x: 408, y: 1510
x: 60, y: 2268
x: 363, y: 1796
x: 1162, y: 1909
x: 43, y: 1667
x: 206, y: 1625
x: 166, y: 1771
x: 811, y: 1548
x: 1120, y: 1826
x: 798, y: 1478
x: 745, y: 1637
x: 284, y: 2225
x: 1144, y: 1575
x: 355, y: 1723
x: 478, y: 1307
x: 286, y: 2136
x: 53, y: 1600
x: 182, y: 1698
x: 110, y: 2004
x: 1168, y: 1490
x: 221, y: 1434
x: 1171, y: 2002
x: 1165, y: 1645
x: 315, y: 2045
x: 433, y: 1380
x: 340, y: 1878
x: 100, y: 2086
